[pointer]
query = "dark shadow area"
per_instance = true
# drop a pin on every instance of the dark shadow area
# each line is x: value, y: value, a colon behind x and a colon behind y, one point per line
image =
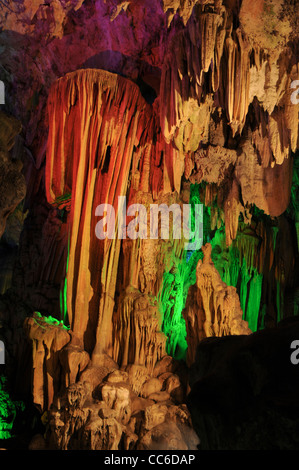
x: 244, y: 391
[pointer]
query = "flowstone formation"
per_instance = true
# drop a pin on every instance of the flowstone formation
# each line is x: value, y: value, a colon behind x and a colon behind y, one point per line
x: 133, y: 104
x: 95, y: 404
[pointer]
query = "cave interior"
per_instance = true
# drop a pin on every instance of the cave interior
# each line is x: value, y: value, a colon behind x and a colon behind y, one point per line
x: 132, y: 340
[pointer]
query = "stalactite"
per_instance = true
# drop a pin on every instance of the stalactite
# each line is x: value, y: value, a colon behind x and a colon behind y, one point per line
x: 247, y: 80
x: 259, y: 185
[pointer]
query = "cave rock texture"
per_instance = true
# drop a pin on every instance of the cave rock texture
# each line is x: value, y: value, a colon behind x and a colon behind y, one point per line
x: 168, y: 102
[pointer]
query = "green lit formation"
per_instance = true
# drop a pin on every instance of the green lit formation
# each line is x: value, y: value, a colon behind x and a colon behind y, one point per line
x: 235, y: 264
x: 8, y: 410
x: 51, y: 320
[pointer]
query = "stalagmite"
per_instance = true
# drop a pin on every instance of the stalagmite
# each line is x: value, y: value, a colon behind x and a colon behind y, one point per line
x: 47, y: 339
x: 180, y: 102
x: 260, y: 185
x: 212, y: 308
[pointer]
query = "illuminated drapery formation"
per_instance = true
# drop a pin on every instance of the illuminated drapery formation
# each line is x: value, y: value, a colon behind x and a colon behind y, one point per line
x: 96, y: 119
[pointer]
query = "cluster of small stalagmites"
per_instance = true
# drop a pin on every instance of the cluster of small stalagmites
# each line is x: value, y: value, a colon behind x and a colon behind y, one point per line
x: 212, y: 307
x: 95, y: 404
